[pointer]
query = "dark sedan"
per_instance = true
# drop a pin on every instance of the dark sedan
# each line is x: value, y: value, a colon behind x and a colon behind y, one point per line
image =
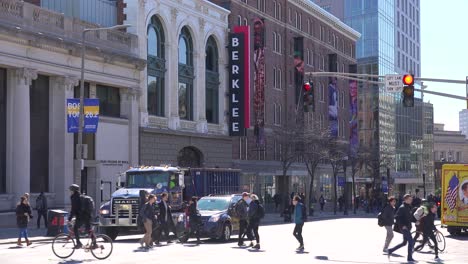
x: 217, y: 223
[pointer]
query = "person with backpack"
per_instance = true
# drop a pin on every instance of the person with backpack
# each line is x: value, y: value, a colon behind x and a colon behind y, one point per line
x: 299, y: 218
x: 41, y: 207
x: 428, y: 230
x: 256, y: 212
x: 241, y: 209
x: 82, y: 208
x: 386, y: 219
x: 403, y: 224
x: 419, y: 214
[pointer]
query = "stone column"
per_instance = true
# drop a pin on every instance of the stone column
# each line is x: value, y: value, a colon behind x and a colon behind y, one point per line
x: 199, y: 96
x: 172, y: 83
x: 61, y: 142
x: 131, y: 98
x: 18, y: 130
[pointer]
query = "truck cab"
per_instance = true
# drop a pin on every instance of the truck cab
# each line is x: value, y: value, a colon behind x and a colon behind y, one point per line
x: 121, y: 212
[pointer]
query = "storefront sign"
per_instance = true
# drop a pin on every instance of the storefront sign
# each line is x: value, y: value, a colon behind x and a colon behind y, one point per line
x: 91, y: 115
x: 239, y: 82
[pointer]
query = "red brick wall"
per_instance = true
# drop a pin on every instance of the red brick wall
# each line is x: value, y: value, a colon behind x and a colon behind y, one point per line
x: 120, y: 12
x: 35, y: 2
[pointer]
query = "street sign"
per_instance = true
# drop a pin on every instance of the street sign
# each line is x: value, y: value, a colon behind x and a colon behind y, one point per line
x: 341, y: 181
x: 394, y: 83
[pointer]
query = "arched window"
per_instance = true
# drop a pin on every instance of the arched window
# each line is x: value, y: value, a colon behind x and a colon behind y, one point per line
x: 186, y: 75
x: 156, y: 68
x: 212, y: 81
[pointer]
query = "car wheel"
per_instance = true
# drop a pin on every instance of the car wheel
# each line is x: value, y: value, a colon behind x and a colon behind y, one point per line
x: 226, y: 235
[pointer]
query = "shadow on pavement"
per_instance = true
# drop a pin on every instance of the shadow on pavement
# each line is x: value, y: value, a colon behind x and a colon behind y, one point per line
x: 256, y: 250
x: 74, y: 261
x: 462, y: 237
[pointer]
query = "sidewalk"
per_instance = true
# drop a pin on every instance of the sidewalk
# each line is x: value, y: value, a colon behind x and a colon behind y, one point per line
x: 10, y: 235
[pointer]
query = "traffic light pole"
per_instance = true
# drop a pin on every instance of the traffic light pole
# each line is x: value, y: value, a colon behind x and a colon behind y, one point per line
x: 355, y: 77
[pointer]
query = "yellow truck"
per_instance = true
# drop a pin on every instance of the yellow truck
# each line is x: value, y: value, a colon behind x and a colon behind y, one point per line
x: 454, y: 198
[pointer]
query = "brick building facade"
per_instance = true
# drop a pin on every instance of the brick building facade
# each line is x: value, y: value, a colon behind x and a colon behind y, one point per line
x: 286, y: 21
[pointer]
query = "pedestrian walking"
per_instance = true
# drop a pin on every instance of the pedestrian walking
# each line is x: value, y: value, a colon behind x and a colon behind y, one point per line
x: 194, y: 219
x: 299, y: 218
x: 164, y: 218
x: 241, y: 208
x: 428, y: 230
x: 23, y: 215
x: 403, y: 224
x: 256, y: 213
x: 388, y: 219
x: 341, y: 203
x: 41, y: 207
x: 322, y: 202
x: 148, y: 217
x: 277, y: 199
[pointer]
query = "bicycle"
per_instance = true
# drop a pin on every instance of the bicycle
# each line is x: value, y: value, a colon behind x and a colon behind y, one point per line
x: 438, y: 235
x: 63, y: 244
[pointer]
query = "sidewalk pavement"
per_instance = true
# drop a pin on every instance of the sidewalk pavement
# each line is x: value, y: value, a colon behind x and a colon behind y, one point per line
x: 10, y: 235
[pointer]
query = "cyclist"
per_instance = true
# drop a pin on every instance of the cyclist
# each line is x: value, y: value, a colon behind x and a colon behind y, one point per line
x: 81, y: 217
x: 419, y: 215
x: 429, y: 229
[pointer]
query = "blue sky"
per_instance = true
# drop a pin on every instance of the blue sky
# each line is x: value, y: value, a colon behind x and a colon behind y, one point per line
x: 444, y: 55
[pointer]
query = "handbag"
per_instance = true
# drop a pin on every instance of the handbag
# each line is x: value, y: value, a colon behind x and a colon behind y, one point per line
x: 397, y: 228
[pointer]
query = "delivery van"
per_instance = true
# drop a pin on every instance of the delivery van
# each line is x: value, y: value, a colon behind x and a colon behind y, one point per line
x: 454, y: 198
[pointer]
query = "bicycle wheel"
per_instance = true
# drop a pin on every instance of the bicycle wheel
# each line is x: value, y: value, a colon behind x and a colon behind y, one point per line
x: 440, y: 240
x: 63, y: 246
x: 103, y: 248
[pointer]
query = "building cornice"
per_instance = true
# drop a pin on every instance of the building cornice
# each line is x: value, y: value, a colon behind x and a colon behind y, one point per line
x: 327, y: 18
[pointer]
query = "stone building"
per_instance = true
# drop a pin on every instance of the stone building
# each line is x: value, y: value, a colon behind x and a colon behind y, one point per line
x: 39, y: 69
x: 183, y: 103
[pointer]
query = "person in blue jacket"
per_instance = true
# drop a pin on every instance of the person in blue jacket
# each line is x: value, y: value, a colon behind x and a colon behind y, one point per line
x: 299, y: 218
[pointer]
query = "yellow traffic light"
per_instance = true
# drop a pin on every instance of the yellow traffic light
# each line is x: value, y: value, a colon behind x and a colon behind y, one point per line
x: 408, y: 79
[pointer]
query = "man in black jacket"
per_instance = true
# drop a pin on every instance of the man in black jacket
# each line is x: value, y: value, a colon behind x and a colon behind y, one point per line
x: 165, y: 218
x: 242, y: 212
x: 81, y: 218
x: 388, y: 219
x: 403, y: 224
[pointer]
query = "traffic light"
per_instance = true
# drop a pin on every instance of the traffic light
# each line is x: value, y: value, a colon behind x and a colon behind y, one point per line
x: 408, y: 90
x: 308, y: 96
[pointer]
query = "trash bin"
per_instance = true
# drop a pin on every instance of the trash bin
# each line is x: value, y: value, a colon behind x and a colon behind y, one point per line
x: 57, y: 222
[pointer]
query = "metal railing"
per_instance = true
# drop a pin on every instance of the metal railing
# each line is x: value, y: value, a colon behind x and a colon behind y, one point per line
x: 31, y: 19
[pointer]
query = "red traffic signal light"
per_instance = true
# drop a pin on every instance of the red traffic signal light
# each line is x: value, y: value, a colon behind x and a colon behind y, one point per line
x: 408, y: 79
x: 306, y: 86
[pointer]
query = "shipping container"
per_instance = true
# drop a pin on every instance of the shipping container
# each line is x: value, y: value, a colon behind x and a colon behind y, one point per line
x: 205, y: 181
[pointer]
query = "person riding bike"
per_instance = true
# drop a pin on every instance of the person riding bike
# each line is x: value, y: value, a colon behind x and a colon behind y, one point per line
x: 429, y: 229
x: 81, y: 216
x: 419, y: 214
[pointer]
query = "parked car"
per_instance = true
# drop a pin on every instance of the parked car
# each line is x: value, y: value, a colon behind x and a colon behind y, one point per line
x: 216, y: 223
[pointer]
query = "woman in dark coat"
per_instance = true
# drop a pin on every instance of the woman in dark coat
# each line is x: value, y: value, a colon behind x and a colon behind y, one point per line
x: 194, y: 218
x: 23, y: 214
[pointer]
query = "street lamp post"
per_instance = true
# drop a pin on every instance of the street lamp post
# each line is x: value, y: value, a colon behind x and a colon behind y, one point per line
x: 345, y: 160
x: 79, y: 147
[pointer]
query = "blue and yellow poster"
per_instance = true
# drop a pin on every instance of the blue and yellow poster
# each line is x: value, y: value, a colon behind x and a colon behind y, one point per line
x: 91, y: 115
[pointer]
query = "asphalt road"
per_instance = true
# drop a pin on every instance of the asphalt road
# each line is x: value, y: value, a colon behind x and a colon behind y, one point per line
x: 348, y: 240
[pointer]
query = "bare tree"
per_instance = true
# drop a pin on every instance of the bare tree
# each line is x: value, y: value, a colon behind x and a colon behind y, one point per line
x: 316, y: 140
x: 337, y: 153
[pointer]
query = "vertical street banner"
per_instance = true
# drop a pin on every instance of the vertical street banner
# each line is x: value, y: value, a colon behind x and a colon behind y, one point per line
x: 333, y: 96
x: 298, y: 66
x: 353, y: 112
x: 91, y: 115
x: 259, y: 81
x: 239, y: 83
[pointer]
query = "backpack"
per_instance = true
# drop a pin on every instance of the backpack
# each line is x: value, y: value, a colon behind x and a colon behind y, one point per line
x: 304, y: 213
x: 260, y: 211
x: 380, y: 217
x: 87, y: 205
x: 239, y: 210
x: 40, y: 203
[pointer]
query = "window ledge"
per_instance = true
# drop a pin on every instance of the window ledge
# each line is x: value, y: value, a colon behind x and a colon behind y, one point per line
x: 113, y: 120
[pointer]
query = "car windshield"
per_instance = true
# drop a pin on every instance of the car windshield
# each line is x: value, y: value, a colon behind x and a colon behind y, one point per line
x: 213, y: 204
x: 148, y: 179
